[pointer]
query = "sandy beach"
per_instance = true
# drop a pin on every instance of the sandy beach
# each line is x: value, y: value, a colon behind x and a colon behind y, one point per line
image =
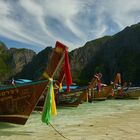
x: 109, y: 120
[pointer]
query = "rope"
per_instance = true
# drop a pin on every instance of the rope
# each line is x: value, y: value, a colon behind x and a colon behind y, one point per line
x: 55, y: 129
x: 58, y: 132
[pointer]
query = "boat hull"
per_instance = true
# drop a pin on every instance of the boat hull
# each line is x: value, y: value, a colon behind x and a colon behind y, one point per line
x: 95, y: 95
x: 17, y: 102
x: 131, y: 93
x: 69, y: 99
x: 73, y: 98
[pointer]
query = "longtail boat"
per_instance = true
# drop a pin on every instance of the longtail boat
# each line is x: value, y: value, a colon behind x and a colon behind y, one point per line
x: 131, y: 93
x: 124, y: 92
x: 64, y: 98
x: 70, y: 98
x: 96, y: 94
x: 18, y: 101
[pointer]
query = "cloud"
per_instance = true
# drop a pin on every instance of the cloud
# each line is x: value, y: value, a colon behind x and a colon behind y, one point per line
x: 74, y: 22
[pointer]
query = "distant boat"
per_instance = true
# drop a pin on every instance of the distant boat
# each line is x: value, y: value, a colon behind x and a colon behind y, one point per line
x: 73, y: 98
x: 130, y: 93
x: 69, y: 99
x: 73, y: 87
x: 124, y: 91
x: 93, y: 92
x: 21, y: 81
x: 16, y: 81
x: 17, y: 101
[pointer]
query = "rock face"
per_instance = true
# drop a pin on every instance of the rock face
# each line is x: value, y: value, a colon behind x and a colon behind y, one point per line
x: 118, y: 53
x: 34, y: 69
x: 20, y: 58
x: 13, y: 60
x: 81, y: 57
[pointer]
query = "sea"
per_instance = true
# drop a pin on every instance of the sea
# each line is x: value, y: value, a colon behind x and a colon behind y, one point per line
x: 34, y: 129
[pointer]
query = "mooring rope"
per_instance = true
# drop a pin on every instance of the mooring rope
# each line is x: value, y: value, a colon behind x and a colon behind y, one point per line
x: 55, y: 129
x: 58, y: 132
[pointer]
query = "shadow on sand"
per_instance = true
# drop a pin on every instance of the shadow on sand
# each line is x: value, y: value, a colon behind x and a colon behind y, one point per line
x: 4, y: 125
x: 11, y: 133
x: 5, y: 130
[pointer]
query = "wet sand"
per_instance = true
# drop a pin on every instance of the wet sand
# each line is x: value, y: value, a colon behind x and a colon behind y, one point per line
x: 109, y: 120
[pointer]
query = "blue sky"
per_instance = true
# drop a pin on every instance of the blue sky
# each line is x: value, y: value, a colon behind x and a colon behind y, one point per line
x: 35, y: 24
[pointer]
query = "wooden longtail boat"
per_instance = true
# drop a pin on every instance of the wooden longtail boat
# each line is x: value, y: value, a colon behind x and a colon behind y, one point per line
x: 94, y: 94
x: 124, y: 92
x: 105, y: 92
x: 131, y: 93
x: 69, y: 99
x: 72, y: 98
x: 18, y: 101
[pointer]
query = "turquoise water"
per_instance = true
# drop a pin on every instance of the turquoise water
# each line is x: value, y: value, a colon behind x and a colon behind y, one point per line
x: 35, y: 129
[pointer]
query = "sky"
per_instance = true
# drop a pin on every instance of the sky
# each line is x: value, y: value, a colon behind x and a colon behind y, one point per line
x: 36, y: 24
